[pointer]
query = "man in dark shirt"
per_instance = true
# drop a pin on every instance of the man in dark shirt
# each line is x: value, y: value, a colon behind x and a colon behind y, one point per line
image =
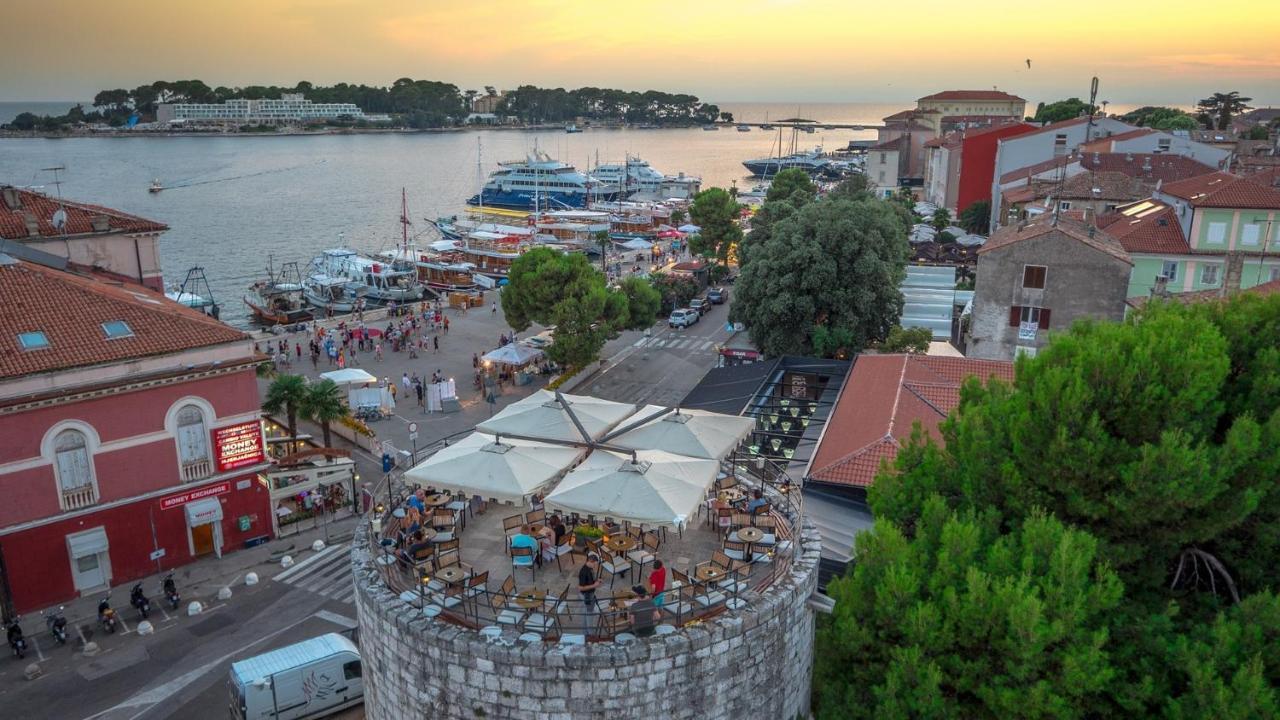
x: 588, y: 581
x: 644, y: 616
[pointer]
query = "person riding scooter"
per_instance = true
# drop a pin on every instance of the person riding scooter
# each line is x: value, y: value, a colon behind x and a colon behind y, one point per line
x: 106, y: 615
x: 57, y: 625
x: 171, y: 592
x: 16, y: 640
x: 139, y: 601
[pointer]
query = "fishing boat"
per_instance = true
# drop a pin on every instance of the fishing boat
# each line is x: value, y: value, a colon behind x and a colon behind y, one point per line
x: 329, y: 293
x: 278, y: 299
x: 572, y: 128
x: 195, y: 293
x: 377, y: 281
x: 536, y: 183
x: 156, y: 186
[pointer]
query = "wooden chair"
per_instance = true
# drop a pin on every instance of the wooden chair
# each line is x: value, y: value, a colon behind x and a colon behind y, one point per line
x: 565, y: 548
x: 452, y: 560
x: 508, y: 615
x: 684, y: 605
x: 735, y: 550
x: 644, y: 555
x: 511, y: 526
x: 522, y: 557
x: 543, y: 621
x: 476, y: 584
x: 612, y: 565
x: 535, y: 517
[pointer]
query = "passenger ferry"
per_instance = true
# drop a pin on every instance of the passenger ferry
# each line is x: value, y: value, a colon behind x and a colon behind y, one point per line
x: 636, y: 177
x: 538, y: 183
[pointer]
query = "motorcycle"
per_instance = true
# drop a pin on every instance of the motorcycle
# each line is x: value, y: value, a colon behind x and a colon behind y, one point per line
x: 106, y: 615
x: 139, y: 601
x: 57, y: 625
x: 16, y: 641
x: 171, y: 592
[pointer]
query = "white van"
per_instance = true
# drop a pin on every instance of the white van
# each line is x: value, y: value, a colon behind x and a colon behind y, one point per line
x: 311, y: 679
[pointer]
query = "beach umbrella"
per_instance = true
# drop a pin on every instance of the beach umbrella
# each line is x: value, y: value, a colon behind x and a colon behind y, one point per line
x: 637, y: 244
x: 695, y: 433
x: 654, y: 488
x: 495, y: 467
x: 513, y: 354
x: 543, y: 415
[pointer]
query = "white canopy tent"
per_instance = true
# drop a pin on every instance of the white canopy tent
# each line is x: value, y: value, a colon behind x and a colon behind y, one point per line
x: 349, y: 376
x: 637, y: 244
x: 514, y: 354
x: 689, y: 228
x: 658, y: 488
x: 507, y: 469
x: 542, y: 415
x: 694, y: 433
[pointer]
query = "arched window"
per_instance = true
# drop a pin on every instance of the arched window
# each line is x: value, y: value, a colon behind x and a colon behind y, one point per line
x: 74, y: 470
x: 193, y: 443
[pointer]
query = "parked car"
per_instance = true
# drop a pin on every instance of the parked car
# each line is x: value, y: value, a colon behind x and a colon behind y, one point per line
x: 700, y: 306
x: 717, y: 296
x: 682, y: 318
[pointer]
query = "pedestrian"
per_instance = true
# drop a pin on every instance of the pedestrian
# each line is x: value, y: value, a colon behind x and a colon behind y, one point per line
x: 417, y: 388
x: 342, y: 360
x: 435, y: 341
x: 392, y: 387
x: 377, y: 351
x: 495, y: 307
x: 298, y: 348
x: 475, y: 360
x: 446, y: 326
x: 588, y: 581
x: 404, y: 383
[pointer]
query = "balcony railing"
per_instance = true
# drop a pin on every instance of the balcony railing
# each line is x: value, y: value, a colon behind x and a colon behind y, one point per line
x: 196, y: 469
x: 79, y: 497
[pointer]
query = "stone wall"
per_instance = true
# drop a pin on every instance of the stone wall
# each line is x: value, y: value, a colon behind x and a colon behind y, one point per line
x: 754, y: 663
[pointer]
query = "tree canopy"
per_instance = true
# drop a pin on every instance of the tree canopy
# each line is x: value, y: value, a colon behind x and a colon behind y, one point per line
x: 554, y: 288
x: 534, y: 104
x: 1161, y: 118
x: 1217, y: 110
x: 832, y: 264
x: 1062, y: 110
x: 977, y: 217
x: 716, y: 213
x: 913, y: 340
x: 788, y: 182
x: 1151, y: 447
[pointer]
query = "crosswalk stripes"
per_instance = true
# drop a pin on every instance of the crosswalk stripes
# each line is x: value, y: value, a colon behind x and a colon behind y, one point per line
x: 326, y: 573
x: 705, y: 344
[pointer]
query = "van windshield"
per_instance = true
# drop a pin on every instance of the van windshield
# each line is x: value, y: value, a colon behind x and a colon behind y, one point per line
x: 237, y: 700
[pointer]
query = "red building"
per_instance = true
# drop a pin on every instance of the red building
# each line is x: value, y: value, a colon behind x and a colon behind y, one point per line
x: 978, y: 161
x: 132, y: 439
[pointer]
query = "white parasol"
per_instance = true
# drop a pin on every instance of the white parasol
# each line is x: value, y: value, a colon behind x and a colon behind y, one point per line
x: 349, y: 376
x: 542, y: 415
x: 657, y: 488
x: 503, y: 468
x: 695, y: 433
x: 514, y: 354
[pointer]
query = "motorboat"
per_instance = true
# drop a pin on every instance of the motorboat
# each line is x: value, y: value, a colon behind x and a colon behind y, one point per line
x: 809, y: 161
x: 744, y: 128
x: 332, y: 294
x: 278, y: 299
x: 380, y: 282
x: 572, y: 128
x: 710, y: 128
x: 195, y: 293
x: 537, y: 183
x: 156, y: 186
x: 635, y: 176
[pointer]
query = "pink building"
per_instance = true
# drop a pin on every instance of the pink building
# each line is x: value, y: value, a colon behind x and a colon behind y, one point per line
x: 132, y: 435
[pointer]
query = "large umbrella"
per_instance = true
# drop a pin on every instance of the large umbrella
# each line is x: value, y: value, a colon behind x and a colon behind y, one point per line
x: 689, y: 228
x: 542, y: 415
x: 695, y: 433
x: 503, y: 468
x: 657, y: 488
x: 513, y: 354
x: 637, y: 244
x: 349, y: 376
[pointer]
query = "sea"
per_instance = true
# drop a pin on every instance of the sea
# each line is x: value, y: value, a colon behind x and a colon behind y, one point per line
x: 238, y: 203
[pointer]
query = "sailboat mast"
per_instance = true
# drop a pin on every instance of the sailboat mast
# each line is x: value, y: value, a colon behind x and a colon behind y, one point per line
x: 404, y: 219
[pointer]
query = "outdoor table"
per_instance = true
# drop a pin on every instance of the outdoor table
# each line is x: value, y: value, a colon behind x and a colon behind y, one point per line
x: 452, y: 574
x: 709, y: 573
x: 428, y: 533
x: 438, y: 499
x: 530, y: 599
x: 732, y: 495
x: 750, y: 536
x: 621, y: 544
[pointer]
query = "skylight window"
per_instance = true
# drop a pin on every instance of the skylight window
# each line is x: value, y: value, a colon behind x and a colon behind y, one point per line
x: 35, y: 340
x: 116, y: 329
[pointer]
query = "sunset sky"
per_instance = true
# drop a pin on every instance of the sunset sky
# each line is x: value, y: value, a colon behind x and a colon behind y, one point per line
x: 1171, y: 51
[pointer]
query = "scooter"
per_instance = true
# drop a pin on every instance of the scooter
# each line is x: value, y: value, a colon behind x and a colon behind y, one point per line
x: 16, y: 641
x: 106, y: 615
x: 140, y: 601
x: 171, y: 592
x: 57, y: 625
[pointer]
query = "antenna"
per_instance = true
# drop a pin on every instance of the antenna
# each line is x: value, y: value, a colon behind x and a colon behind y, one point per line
x: 59, y: 219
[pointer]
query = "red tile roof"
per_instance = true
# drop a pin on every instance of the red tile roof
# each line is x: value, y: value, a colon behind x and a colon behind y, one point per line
x: 1155, y: 166
x: 894, y: 144
x: 975, y: 132
x: 972, y: 95
x: 70, y: 310
x: 1146, y: 226
x: 1068, y: 228
x: 80, y: 216
x: 1104, y: 185
x: 883, y: 397
x: 901, y: 115
x: 1224, y: 190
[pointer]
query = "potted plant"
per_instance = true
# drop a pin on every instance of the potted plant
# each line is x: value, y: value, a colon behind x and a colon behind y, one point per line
x: 584, y: 532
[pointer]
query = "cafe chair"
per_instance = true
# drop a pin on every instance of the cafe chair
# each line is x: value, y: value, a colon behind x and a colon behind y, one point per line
x: 735, y: 550
x: 611, y: 565
x: 535, y: 517
x: 645, y: 554
x: 511, y: 526
x: 682, y: 607
x: 566, y: 548
x: 522, y: 557
x: 476, y: 584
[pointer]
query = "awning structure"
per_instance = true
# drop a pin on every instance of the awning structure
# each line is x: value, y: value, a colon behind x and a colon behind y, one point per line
x: 89, y: 542
x: 656, y: 488
x: 203, y: 511
x: 513, y: 354
x: 696, y: 433
x: 503, y: 468
x: 542, y: 415
x: 349, y: 376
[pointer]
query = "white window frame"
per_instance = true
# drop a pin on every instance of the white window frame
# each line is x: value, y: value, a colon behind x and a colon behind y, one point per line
x: 1166, y: 273
x: 48, y: 450
x: 1205, y: 278
x: 1216, y: 228
x: 1249, y: 229
x: 1020, y: 350
x: 209, y: 417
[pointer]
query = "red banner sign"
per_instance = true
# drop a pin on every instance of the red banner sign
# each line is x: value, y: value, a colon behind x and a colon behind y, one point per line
x: 183, y: 498
x: 237, y: 446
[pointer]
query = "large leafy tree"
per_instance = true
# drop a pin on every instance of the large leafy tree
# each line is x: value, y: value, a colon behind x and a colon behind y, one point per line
x: 287, y: 395
x: 788, y: 182
x: 716, y: 212
x: 1218, y: 109
x: 976, y: 218
x: 1062, y: 110
x: 1160, y: 118
x: 962, y: 621
x: 644, y: 302
x: 323, y: 405
x: 832, y: 263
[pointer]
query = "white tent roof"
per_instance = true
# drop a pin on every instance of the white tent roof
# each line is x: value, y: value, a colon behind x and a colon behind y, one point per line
x: 689, y: 228
x: 509, y: 470
x: 513, y: 354
x: 661, y: 488
x: 541, y: 415
x: 637, y: 244
x: 349, y: 376
x: 695, y: 433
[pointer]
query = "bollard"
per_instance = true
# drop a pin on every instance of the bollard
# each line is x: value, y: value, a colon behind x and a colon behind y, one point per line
x: 32, y: 671
x: 251, y: 579
x: 146, y: 628
x: 194, y: 608
x: 286, y: 561
x: 91, y: 649
x: 224, y: 593
x: 317, y: 546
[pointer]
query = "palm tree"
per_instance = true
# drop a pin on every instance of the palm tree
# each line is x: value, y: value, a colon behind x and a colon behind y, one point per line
x: 323, y: 405
x: 286, y: 394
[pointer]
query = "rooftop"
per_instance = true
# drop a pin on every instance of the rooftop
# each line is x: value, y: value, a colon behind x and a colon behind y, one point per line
x: 1067, y: 228
x: 1105, y: 144
x: 883, y: 398
x: 1224, y: 190
x: 1103, y: 185
x: 1220, y: 293
x: 994, y: 95
x: 1155, y: 166
x: 109, y: 322
x: 1146, y: 226
x: 26, y: 214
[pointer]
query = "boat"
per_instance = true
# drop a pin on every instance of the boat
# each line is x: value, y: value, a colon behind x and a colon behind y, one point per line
x: 156, y: 186
x: 493, y: 253
x: 766, y: 126
x: 744, y: 128
x: 440, y: 267
x: 380, y: 282
x: 278, y: 299
x: 332, y: 294
x: 536, y: 183
x: 756, y: 195
x: 809, y: 161
x: 572, y: 128
x: 195, y: 293
x: 635, y: 176
x: 710, y: 128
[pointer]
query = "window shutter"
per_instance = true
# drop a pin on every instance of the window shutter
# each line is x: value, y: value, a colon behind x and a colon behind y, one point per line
x: 191, y: 444
x: 1044, y: 318
x: 1015, y: 315
x: 73, y: 468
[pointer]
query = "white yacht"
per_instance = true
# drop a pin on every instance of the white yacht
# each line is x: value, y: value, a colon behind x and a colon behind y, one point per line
x: 635, y: 176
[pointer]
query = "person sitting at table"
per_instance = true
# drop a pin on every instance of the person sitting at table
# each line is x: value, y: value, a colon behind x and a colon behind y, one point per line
x: 757, y: 501
x: 416, y: 544
x: 415, y: 502
x: 546, y: 537
x: 558, y: 529
x: 643, y: 613
x: 523, y: 539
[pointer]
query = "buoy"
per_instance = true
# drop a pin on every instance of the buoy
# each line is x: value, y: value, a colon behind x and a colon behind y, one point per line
x: 251, y: 579
x: 194, y: 608
x: 146, y: 628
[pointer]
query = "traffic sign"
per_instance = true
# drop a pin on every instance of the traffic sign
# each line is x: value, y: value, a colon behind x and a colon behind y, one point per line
x: 156, y: 555
x: 413, y: 428
x: 412, y: 436
x: 386, y: 463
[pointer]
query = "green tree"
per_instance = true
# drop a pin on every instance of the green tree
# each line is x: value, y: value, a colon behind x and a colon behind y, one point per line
x: 1062, y: 110
x: 716, y: 213
x: 913, y: 340
x: 677, y: 217
x: 287, y: 394
x: 1257, y: 132
x: 25, y: 121
x: 1218, y: 109
x: 941, y: 219
x: 1160, y: 118
x: 976, y: 218
x: 853, y: 188
x: 675, y: 291
x: 323, y: 404
x: 960, y: 621
x: 643, y: 302
x: 833, y: 263
x: 789, y: 182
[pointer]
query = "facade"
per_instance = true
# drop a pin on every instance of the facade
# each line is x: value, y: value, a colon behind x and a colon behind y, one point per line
x: 885, y: 166
x: 288, y: 108
x: 89, y: 237
x: 942, y: 171
x: 1034, y: 277
x: 967, y: 108
x: 958, y: 167
x: 132, y: 436
x: 1146, y: 140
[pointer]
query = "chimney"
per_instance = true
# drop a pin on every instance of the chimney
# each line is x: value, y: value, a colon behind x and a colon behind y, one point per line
x: 100, y: 223
x: 33, y: 225
x: 11, y: 198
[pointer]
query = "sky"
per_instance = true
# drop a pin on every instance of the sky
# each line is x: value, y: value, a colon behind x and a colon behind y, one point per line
x: 1144, y: 51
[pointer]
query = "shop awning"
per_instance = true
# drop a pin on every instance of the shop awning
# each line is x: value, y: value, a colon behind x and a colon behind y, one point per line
x: 203, y: 511
x: 90, y: 542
